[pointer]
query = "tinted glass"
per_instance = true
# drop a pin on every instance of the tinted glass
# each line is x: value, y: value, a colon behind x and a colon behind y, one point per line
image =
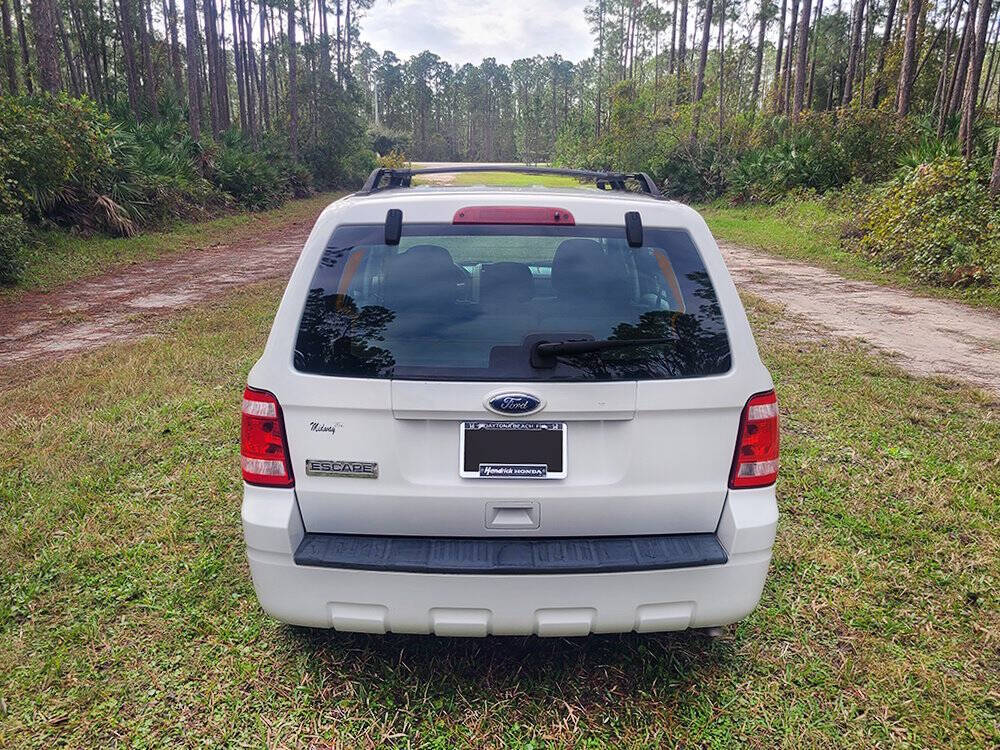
x: 471, y: 302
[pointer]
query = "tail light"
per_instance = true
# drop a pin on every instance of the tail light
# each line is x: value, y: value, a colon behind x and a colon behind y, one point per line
x: 756, y: 461
x: 263, y: 447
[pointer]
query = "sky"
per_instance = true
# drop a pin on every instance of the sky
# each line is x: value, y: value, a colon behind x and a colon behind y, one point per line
x: 462, y: 31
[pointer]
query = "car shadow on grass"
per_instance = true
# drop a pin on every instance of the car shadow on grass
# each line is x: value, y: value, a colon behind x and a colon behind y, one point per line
x: 600, y: 671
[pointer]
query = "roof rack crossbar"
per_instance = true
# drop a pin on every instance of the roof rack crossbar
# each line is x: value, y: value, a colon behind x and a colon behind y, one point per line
x: 385, y: 178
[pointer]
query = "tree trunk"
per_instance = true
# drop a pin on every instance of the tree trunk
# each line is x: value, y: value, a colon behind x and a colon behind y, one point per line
x: 74, y: 72
x: 815, y: 54
x: 855, y: 54
x: 275, y: 81
x: 722, y: 66
x: 123, y: 10
x: 193, y: 68
x: 656, y: 59
x: 600, y: 67
x: 786, y: 88
x: 347, y: 39
x: 906, y: 70
x: 44, y: 21
x: 977, y: 57
x: 215, y: 98
x: 759, y: 61
x: 241, y: 93
x: 8, y: 48
x: 779, y: 55
x: 265, y: 109
x: 149, y: 74
x: 673, y: 40
x: 293, y: 85
x: 803, y: 57
x: 943, y: 90
x: 22, y: 36
x: 340, y: 42
x: 988, y: 87
x: 222, y: 70
x: 88, y: 52
x: 682, y: 51
x: 883, y: 50
x: 175, y: 48
x: 97, y: 41
x: 324, y: 41
x: 699, y: 84
x: 249, y: 64
x: 865, y: 48
x: 957, y: 90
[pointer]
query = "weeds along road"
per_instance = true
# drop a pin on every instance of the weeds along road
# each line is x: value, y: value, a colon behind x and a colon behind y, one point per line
x: 925, y: 336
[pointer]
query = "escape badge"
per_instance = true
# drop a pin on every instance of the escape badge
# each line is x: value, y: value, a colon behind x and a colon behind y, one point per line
x: 340, y: 468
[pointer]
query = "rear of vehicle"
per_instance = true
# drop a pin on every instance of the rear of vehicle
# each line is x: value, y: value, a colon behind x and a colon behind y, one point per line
x: 519, y: 418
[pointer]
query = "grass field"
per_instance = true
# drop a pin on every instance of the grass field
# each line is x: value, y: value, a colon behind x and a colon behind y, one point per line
x: 810, y: 230
x: 127, y: 617
x: 61, y: 256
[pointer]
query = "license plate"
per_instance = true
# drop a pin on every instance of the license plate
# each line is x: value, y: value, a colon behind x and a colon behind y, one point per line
x: 512, y: 450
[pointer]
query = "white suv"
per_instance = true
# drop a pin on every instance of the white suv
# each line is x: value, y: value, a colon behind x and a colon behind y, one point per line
x: 509, y: 411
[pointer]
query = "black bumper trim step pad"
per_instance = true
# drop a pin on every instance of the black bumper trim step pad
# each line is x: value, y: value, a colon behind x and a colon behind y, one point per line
x: 502, y: 555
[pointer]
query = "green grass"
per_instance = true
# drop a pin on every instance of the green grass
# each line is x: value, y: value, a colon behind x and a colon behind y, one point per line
x: 811, y: 230
x: 60, y: 256
x: 511, y: 179
x: 127, y: 617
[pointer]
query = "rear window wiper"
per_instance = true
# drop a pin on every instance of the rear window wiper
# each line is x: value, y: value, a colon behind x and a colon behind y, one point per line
x: 544, y: 353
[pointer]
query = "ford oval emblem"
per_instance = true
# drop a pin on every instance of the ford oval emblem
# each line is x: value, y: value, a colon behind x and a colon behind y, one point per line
x: 517, y: 404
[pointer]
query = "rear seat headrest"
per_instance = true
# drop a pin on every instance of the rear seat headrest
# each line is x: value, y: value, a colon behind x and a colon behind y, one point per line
x: 423, y: 276
x: 581, y: 268
x: 505, y: 282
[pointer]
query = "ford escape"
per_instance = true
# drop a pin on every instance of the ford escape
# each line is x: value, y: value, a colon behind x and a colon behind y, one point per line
x: 509, y: 411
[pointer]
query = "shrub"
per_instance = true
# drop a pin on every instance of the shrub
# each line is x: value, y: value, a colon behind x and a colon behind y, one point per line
x: 300, y: 179
x: 937, y: 222
x: 52, y: 146
x: 13, y: 238
x: 255, y: 179
x: 66, y: 163
x: 689, y: 170
x: 340, y: 154
x: 393, y: 160
x: 152, y: 176
x: 384, y: 140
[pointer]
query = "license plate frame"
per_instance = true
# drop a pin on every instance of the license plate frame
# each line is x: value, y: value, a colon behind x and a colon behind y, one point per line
x: 537, y: 468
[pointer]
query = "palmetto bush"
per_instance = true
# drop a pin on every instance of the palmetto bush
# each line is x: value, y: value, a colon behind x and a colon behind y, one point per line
x: 253, y: 180
x: 803, y: 161
x: 156, y: 175
x: 823, y: 151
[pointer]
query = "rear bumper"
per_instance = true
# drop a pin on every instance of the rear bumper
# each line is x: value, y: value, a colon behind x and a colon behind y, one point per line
x: 491, y: 604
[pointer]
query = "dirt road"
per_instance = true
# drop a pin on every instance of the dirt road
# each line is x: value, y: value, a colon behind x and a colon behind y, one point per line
x: 121, y: 305
x: 927, y: 336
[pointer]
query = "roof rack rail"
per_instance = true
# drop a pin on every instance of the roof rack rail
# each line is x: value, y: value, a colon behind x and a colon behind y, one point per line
x: 385, y: 178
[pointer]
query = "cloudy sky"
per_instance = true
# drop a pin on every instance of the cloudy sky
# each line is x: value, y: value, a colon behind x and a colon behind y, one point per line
x: 463, y: 31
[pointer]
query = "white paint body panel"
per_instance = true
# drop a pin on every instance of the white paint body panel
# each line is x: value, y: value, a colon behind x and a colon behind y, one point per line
x: 646, y: 457
x: 480, y: 605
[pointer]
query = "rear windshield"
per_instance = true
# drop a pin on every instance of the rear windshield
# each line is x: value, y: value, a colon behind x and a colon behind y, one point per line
x: 460, y: 302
